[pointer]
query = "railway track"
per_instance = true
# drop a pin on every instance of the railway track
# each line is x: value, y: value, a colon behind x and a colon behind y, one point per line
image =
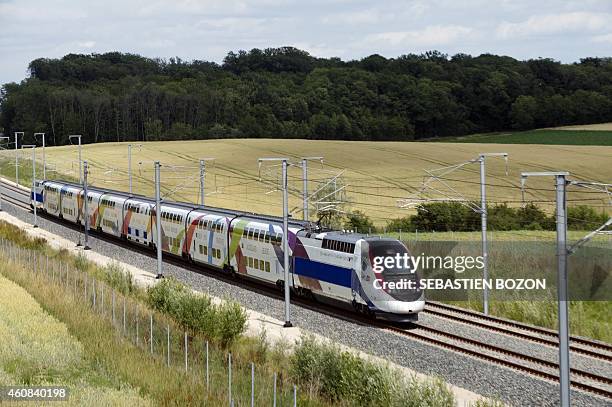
x: 588, y: 382
x: 582, y: 346
x: 20, y: 203
x: 501, y: 356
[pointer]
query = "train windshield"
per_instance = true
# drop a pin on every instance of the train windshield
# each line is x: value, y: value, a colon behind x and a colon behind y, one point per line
x: 397, y: 265
x: 392, y: 255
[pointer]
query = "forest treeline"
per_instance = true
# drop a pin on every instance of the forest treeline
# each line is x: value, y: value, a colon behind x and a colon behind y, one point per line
x: 287, y: 93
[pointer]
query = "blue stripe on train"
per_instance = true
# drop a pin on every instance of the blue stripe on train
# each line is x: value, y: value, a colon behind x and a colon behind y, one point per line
x: 323, y: 272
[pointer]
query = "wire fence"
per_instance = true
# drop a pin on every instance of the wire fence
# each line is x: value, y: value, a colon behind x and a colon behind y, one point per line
x: 238, y: 381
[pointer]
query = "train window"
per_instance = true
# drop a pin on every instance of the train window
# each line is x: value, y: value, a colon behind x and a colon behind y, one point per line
x: 250, y: 236
x: 268, y: 266
x: 244, y: 232
x: 267, y: 238
x: 261, y: 265
x: 250, y: 262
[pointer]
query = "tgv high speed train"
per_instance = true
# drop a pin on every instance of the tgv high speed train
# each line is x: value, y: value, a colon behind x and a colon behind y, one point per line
x: 323, y: 264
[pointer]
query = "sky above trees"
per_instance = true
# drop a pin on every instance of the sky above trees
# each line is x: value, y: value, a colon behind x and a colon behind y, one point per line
x: 207, y: 29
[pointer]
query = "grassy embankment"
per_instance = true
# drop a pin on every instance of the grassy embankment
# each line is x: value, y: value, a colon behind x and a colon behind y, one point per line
x: 99, y: 357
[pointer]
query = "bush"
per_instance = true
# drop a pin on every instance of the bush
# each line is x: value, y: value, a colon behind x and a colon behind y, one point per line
x: 222, y: 323
x: 584, y: 217
x: 502, y: 217
x: 404, y: 224
x: 230, y: 322
x: 457, y: 217
x: 359, y: 222
x: 118, y: 278
x: 325, y: 370
x: 530, y: 217
x: 446, y: 217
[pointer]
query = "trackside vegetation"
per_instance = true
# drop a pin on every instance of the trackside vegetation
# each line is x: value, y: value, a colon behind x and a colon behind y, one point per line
x: 455, y: 217
x: 341, y: 376
x: 58, y: 281
x: 196, y: 312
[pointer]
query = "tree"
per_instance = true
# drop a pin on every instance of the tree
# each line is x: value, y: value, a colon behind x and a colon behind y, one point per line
x: 359, y: 222
x: 523, y: 112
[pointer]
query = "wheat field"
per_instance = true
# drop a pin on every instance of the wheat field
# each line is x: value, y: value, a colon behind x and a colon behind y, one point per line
x: 372, y: 176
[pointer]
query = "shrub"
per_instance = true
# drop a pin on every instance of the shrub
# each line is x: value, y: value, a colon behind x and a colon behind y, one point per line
x: 445, y: 217
x: 162, y: 296
x: 502, y: 217
x: 584, y: 217
x: 325, y: 370
x: 531, y: 217
x: 359, y: 222
x: 223, y: 323
x: 118, y: 278
x: 230, y: 321
x: 404, y: 224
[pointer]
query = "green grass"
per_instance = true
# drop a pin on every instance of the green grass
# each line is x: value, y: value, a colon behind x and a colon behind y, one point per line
x: 546, y: 137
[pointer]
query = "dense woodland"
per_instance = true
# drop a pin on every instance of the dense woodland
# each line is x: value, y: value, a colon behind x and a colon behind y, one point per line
x: 286, y: 93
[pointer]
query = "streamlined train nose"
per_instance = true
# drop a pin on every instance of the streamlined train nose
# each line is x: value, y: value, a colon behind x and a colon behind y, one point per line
x: 401, y: 307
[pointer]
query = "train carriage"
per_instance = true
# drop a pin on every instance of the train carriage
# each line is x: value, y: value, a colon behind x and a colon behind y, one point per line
x: 256, y: 248
x: 137, y: 221
x: 93, y: 202
x: 173, y: 225
x: 71, y: 203
x: 206, y: 237
x: 110, y: 213
x: 52, y: 198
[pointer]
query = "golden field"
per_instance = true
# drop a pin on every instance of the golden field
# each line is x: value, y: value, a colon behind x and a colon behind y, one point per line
x: 376, y: 174
x: 39, y: 350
